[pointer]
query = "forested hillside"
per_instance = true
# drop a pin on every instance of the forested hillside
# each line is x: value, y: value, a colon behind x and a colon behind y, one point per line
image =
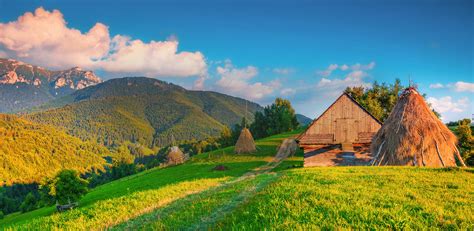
x: 143, y: 110
x: 29, y: 151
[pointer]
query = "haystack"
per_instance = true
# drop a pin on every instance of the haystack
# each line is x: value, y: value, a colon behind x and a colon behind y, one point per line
x: 245, y: 143
x: 175, y: 156
x: 413, y: 135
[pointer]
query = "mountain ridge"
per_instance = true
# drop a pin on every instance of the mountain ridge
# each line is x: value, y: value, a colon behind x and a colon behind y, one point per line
x: 24, y: 85
x: 143, y: 110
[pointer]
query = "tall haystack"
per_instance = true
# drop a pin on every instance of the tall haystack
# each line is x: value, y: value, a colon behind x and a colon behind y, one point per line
x: 175, y: 156
x: 245, y: 143
x: 413, y: 135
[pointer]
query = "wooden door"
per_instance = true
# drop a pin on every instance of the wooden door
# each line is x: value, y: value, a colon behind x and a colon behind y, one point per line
x: 346, y: 130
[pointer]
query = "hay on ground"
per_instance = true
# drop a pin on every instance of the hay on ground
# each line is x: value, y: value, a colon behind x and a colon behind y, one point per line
x: 413, y: 135
x: 288, y: 147
x: 220, y: 168
x: 245, y: 143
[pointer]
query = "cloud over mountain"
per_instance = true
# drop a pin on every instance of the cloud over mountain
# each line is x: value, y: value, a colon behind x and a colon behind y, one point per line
x: 44, y: 38
x: 237, y: 81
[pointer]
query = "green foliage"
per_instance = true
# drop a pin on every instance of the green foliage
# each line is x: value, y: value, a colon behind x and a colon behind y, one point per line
x: 1, y: 215
x: 68, y: 187
x: 225, y: 139
x: 30, y: 151
x: 29, y: 203
x: 276, y: 118
x: 379, y: 99
x: 466, y: 141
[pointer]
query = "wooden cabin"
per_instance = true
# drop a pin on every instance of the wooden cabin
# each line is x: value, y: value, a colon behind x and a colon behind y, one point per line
x: 344, y: 127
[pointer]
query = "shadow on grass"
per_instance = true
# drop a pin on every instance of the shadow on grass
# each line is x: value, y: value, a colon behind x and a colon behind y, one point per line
x: 150, y: 179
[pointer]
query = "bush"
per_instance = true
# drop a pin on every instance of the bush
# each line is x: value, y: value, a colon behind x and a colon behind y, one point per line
x: 29, y: 203
x: 1, y: 215
x: 68, y: 187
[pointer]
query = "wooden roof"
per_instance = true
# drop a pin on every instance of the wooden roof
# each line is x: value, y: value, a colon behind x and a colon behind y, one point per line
x: 330, y: 106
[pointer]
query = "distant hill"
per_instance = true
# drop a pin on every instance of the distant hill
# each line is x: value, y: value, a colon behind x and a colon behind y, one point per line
x: 143, y: 110
x: 303, y: 120
x: 23, y: 85
x: 30, y: 151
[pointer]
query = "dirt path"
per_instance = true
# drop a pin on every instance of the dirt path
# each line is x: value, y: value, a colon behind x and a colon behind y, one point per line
x: 288, y: 147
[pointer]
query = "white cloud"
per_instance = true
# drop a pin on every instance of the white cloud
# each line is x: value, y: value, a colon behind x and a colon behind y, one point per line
x: 447, y: 104
x: 287, y: 91
x: 436, y: 85
x: 43, y: 38
x: 353, y: 78
x: 344, y: 67
x: 328, y: 71
x: 464, y: 86
x: 283, y: 71
x: 237, y: 81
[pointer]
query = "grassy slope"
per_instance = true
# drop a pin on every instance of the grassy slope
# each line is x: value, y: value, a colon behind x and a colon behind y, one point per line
x: 198, y: 169
x: 361, y: 198
x: 287, y: 198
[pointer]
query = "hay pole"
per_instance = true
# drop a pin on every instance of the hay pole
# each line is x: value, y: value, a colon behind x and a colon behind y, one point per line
x: 439, y: 154
x: 400, y: 123
x: 458, y: 155
x: 381, y: 159
x: 422, y: 147
x: 378, y: 152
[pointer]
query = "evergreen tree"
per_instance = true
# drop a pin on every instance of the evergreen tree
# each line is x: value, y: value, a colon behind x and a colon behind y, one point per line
x: 29, y: 203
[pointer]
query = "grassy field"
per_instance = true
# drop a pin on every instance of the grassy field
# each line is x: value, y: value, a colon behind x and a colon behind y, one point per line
x: 361, y: 198
x: 199, y: 168
x: 251, y: 197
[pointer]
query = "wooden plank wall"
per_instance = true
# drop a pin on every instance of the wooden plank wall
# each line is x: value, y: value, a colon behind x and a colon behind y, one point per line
x: 344, y: 108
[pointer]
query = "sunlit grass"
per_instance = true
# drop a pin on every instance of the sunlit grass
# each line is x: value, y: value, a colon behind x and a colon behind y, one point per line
x: 200, y: 211
x: 361, y: 198
x: 108, y: 212
x: 198, y: 168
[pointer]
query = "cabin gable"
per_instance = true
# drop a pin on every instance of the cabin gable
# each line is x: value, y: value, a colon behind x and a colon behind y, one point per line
x: 345, y: 121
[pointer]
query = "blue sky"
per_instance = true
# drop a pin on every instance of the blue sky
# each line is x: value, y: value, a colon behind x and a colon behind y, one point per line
x: 306, y: 51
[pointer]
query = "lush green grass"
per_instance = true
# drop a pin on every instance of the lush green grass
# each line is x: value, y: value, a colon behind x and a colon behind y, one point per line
x: 192, y: 196
x: 199, y: 168
x: 361, y: 198
x: 201, y: 211
x: 105, y: 213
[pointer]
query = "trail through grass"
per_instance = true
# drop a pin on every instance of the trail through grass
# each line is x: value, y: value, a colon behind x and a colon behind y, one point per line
x: 360, y: 198
x: 106, y: 213
x: 203, y: 210
x: 100, y: 203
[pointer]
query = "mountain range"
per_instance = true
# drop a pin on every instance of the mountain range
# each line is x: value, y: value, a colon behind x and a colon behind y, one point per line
x: 24, y: 85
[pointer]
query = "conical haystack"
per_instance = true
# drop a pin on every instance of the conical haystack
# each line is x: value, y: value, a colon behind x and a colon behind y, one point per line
x: 175, y: 156
x: 245, y: 143
x: 413, y: 135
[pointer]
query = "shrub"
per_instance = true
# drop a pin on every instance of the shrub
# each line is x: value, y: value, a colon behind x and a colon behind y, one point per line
x: 68, y: 187
x: 29, y: 203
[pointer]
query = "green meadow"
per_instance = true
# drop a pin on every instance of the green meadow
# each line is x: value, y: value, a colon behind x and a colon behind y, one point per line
x: 254, y: 194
